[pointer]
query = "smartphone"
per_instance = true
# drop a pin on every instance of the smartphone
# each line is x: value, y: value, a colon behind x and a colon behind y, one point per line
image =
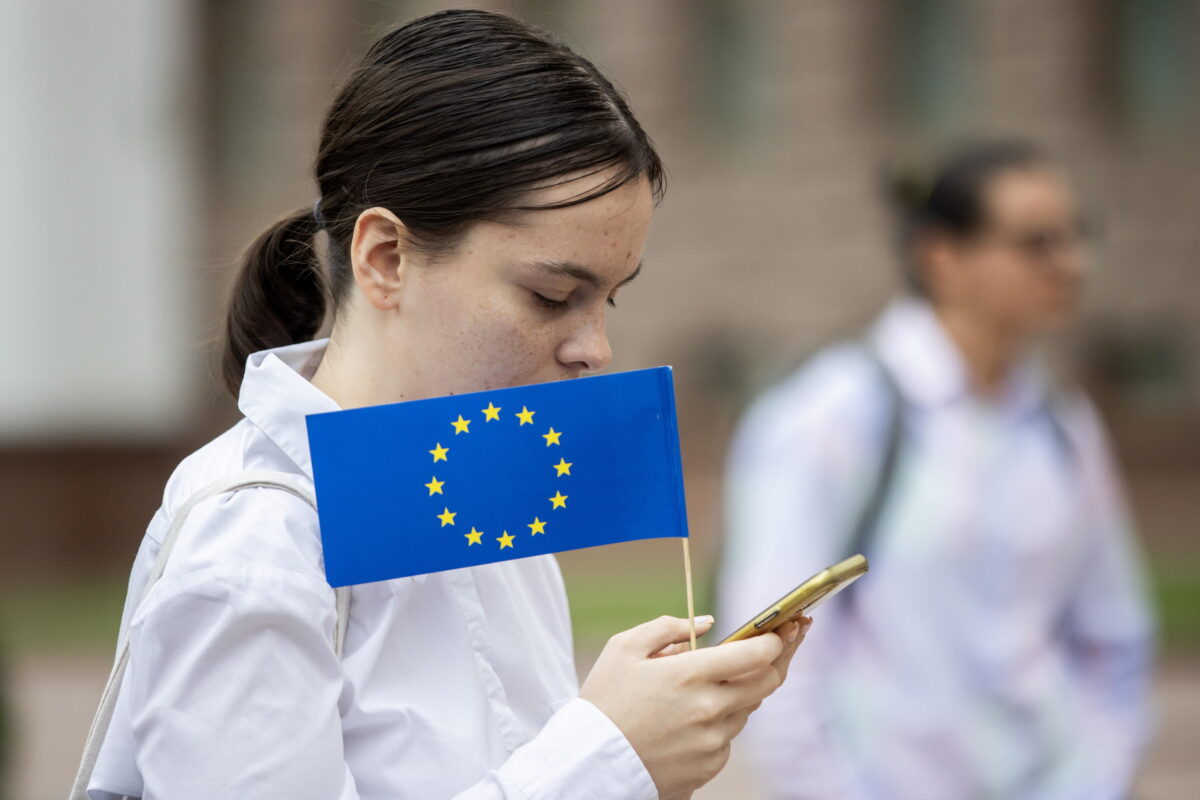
x: 804, y: 597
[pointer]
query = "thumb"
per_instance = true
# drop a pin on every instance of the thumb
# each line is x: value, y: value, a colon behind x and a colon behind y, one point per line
x: 651, y: 637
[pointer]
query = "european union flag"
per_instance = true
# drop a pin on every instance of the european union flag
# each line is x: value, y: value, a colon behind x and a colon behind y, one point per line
x: 449, y: 482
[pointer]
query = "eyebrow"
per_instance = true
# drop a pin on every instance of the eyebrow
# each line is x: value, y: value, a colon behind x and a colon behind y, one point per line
x: 572, y: 270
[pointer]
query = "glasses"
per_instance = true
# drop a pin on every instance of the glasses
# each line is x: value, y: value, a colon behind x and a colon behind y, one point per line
x: 1045, y: 244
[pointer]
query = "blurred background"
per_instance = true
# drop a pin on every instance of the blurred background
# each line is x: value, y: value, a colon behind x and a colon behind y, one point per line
x: 144, y: 143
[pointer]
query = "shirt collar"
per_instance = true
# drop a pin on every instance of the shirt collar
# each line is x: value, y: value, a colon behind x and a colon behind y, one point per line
x: 928, y: 367
x: 276, y: 396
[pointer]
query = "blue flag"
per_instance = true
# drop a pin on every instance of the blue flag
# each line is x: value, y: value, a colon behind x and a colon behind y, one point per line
x: 449, y: 482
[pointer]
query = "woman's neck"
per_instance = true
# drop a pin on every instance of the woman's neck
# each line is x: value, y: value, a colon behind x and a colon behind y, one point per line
x: 988, y: 352
x: 346, y: 376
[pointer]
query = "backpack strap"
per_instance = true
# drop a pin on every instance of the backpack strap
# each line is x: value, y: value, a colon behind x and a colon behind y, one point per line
x: 863, y: 533
x: 108, y: 700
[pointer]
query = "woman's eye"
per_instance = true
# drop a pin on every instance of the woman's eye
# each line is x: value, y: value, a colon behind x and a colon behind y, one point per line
x: 548, y: 304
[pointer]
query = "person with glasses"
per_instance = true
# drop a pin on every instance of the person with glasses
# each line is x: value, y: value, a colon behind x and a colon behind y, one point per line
x: 1000, y: 645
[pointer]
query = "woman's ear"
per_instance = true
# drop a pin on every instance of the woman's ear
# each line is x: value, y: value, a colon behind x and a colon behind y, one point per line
x: 379, y: 257
x: 938, y: 264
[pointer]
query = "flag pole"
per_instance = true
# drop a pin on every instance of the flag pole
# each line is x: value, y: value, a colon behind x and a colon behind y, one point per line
x: 691, y: 606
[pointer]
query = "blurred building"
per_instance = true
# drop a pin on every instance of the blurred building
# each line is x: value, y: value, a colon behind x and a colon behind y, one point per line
x: 155, y: 139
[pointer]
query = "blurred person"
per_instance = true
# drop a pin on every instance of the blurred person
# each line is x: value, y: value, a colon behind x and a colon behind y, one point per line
x: 486, y: 193
x: 1000, y: 645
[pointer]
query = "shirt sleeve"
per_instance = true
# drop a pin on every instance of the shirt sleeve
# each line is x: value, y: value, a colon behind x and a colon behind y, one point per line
x: 579, y: 753
x: 234, y: 687
x: 1109, y: 623
x: 787, y: 507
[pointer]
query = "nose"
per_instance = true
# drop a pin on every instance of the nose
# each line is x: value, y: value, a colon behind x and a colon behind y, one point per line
x: 1071, y: 261
x: 587, y: 348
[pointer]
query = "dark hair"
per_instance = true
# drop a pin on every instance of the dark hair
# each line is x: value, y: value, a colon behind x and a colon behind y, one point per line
x: 448, y: 120
x: 952, y: 201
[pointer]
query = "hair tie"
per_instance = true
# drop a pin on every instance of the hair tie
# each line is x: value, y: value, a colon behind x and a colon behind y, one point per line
x: 316, y: 215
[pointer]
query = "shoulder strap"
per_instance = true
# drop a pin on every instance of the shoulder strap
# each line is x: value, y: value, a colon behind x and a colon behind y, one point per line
x: 108, y: 700
x: 862, y: 535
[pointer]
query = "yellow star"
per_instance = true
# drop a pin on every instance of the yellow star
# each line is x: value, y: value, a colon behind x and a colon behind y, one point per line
x: 460, y: 425
x: 559, y: 500
x: 526, y: 416
x: 474, y: 537
x: 564, y: 467
x: 439, y: 452
x: 552, y: 436
x: 536, y: 527
x: 447, y: 517
x: 505, y: 540
x: 435, y: 486
x: 490, y: 413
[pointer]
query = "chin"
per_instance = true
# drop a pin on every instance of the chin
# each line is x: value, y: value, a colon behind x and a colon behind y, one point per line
x: 1058, y: 312
x: 1053, y: 320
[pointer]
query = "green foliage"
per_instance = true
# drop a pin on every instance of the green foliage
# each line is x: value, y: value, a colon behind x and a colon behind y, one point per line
x: 1176, y: 589
x: 69, y: 617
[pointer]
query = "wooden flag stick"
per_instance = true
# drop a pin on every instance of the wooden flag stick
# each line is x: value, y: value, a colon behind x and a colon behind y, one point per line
x: 687, y: 575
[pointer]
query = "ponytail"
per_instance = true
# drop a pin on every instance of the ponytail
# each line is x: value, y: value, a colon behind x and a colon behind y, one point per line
x: 279, y: 296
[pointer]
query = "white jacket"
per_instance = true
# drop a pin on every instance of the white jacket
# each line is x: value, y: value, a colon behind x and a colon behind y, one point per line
x: 1000, y: 645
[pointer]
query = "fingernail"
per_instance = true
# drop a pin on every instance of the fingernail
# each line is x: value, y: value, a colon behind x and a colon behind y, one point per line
x: 793, y: 633
x: 705, y: 619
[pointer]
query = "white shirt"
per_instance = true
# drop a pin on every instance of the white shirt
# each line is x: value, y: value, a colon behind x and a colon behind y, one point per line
x: 455, y: 684
x: 999, y: 646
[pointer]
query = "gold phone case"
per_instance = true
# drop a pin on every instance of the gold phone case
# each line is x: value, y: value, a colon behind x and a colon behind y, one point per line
x: 804, y: 597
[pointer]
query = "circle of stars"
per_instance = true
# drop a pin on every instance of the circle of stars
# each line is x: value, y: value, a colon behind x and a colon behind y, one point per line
x: 492, y: 414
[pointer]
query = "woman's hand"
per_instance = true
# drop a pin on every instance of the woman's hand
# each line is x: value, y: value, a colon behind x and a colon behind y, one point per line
x: 680, y: 710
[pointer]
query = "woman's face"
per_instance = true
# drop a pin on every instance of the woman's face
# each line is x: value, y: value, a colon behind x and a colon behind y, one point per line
x: 515, y: 303
x: 1023, y: 273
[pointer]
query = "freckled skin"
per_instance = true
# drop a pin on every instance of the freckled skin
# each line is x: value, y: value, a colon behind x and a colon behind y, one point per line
x: 469, y: 320
x: 475, y: 324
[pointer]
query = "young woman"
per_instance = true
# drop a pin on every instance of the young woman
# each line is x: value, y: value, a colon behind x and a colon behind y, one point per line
x: 999, y: 646
x: 486, y: 195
